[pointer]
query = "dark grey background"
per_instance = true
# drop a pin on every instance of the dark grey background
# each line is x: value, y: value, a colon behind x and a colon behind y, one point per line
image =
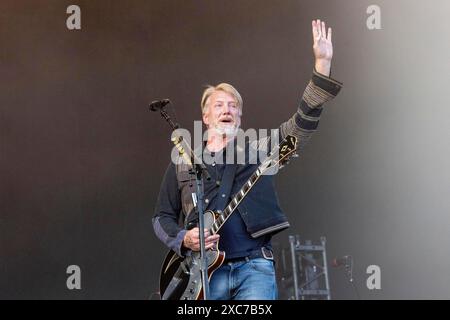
x: 81, y: 157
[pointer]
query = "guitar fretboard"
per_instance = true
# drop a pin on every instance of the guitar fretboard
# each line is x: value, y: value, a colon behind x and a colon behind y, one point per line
x: 223, y: 216
x: 283, y: 151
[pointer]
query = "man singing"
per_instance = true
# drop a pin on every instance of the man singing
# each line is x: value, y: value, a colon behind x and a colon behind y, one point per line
x: 247, y: 272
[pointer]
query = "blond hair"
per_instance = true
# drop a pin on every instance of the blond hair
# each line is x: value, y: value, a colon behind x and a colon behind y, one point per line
x: 225, y: 87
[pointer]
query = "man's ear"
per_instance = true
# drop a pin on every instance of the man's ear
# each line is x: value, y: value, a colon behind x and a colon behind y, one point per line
x: 205, y: 119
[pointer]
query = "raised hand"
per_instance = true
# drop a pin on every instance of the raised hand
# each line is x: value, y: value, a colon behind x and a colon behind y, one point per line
x: 322, y: 46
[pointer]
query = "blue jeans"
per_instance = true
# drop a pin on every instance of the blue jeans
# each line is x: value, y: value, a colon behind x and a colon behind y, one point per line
x: 250, y: 279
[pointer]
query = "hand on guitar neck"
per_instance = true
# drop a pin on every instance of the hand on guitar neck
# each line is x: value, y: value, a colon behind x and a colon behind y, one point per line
x: 192, y: 240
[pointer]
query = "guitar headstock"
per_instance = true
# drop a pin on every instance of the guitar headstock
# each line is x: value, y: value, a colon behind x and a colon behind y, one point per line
x: 287, y: 149
x: 282, y: 153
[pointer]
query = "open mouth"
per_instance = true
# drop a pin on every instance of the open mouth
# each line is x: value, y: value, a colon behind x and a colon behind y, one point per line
x: 226, y: 121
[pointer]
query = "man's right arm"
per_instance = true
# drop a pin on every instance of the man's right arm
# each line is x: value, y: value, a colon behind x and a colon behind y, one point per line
x: 167, y: 212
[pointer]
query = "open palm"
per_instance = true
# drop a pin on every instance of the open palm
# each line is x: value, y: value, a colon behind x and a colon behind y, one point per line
x: 322, y: 47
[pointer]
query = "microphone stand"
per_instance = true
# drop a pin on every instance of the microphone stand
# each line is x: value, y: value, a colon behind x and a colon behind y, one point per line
x: 201, y: 222
x: 199, y: 170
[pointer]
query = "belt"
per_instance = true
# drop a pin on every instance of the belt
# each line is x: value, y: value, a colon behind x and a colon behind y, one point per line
x: 263, y: 252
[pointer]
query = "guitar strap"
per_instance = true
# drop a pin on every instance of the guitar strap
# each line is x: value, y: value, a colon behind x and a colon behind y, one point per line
x: 225, y: 187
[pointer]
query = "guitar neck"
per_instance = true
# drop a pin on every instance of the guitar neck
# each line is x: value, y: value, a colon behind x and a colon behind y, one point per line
x: 229, y: 209
x: 283, y: 151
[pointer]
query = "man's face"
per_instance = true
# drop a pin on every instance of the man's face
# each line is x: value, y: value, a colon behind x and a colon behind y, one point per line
x: 222, y: 113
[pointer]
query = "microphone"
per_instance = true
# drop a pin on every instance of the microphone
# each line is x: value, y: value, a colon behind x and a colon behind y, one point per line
x: 158, y: 104
x: 341, y: 261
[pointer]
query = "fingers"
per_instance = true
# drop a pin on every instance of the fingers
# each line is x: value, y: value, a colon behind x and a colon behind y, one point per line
x: 324, y: 30
x: 194, y: 233
x: 211, y: 241
x: 315, y: 30
x: 319, y: 30
x: 192, y: 239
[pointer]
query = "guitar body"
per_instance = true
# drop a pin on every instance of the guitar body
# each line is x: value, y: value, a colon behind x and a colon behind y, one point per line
x: 180, y: 278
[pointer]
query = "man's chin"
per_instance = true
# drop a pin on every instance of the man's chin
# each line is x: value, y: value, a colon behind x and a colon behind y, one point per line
x: 227, y: 130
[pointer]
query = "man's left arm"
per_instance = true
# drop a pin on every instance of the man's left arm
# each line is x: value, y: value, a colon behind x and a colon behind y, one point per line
x: 320, y: 89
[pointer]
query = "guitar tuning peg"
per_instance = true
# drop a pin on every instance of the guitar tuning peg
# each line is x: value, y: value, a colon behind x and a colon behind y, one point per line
x: 295, y: 155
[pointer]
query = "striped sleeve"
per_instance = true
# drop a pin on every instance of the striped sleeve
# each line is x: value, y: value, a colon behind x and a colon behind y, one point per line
x: 305, y: 121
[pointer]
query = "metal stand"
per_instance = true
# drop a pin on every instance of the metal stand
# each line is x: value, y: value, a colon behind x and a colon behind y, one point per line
x: 199, y: 170
x: 349, y: 273
x: 309, y: 269
x: 201, y: 227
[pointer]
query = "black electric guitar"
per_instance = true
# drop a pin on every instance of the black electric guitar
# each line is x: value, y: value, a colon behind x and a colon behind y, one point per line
x: 180, y: 278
